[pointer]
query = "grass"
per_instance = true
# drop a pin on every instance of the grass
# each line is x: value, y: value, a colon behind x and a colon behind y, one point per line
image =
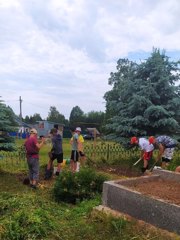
x: 26, y: 214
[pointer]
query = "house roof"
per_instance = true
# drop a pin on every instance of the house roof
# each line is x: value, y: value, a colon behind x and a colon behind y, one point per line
x: 93, y: 130
x: 21, y: 123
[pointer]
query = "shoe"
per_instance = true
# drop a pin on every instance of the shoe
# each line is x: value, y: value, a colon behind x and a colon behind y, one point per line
x: 48, y: 174
x: 33, y: 186
x: 143, y: 169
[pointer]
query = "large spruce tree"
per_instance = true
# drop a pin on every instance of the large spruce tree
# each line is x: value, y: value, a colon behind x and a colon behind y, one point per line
x: 145, y: 98
x: 7, y: 125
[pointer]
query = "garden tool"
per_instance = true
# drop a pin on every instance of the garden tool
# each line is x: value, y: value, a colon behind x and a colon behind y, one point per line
x: 137, y: 162
x: 152, y: 167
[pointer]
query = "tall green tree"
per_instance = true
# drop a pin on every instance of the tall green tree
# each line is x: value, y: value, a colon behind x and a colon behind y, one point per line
x: 95, y: 119
x: 145, y: 98
x: 55, y: 116
x: 33, y: 119
x: 7, y: 125
x: 76, y: 116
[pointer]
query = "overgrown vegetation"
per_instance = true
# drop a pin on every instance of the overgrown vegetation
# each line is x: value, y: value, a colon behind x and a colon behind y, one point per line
x: 26, y: 214
x: 72, y: 187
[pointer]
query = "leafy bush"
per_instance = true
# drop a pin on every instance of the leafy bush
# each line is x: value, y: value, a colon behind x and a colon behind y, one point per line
x: 85, y: 184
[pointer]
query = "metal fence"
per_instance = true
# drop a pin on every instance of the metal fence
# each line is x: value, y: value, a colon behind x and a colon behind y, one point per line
x: 110, y: 153
x: 12, y: 161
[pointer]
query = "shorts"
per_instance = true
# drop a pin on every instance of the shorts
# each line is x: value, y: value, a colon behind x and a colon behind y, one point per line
x: 166, y: 160
x: 168, y: 153
x: 59, y: 157
x: 147, y: 155
x: 81, y: 154
x: 74, y: 155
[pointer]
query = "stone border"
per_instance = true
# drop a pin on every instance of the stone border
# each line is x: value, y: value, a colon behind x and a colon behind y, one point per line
x: 117, y: 196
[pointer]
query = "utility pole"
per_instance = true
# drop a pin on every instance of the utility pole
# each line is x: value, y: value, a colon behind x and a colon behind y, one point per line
x: 20, y: 102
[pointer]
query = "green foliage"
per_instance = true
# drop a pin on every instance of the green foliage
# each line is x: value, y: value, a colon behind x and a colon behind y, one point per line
x: 85, y: 184
x: 145, y: 98
x: 76, y: 116
x: 20, y: 223
x: 33, y: 119
x: 55, y: 116
x: 6, y: 126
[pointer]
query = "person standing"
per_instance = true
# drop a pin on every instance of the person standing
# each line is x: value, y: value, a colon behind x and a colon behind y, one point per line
x: 82, y: 156
x: 146, y: 150
x: 166, y: 146
x: 55, y: 153
x: 74, y: 150
x: 32, y: 153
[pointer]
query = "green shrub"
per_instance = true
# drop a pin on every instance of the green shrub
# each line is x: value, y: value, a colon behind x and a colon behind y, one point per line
x: 85, y: 184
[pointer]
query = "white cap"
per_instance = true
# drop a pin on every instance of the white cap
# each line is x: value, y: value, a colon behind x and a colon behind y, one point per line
x: 33, y: 131
x: 78, y: 129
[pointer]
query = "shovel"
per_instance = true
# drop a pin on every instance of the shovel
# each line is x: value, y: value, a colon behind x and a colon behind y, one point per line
x: 154, y: 164
x: 137, y: 162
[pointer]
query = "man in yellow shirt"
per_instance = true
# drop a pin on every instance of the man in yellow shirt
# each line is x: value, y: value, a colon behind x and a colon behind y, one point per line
x: 81, y: 146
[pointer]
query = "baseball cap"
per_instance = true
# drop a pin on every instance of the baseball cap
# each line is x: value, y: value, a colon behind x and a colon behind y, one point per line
x: 151, y: 140
x: 33, y: 131
x: 134, y: 140
x: 78, y: 129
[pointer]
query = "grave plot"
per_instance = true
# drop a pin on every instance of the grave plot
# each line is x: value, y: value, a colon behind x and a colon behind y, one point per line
x: 154, y: 199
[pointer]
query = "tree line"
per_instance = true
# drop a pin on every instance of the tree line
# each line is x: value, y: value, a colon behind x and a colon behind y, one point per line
x: 77, y: 118
x: 144, y: 100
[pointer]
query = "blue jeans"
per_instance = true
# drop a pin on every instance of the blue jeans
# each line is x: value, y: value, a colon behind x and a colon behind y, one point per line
x: 33, y: 164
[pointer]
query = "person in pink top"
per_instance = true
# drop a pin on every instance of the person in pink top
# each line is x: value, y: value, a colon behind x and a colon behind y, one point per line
x: 32, y: 154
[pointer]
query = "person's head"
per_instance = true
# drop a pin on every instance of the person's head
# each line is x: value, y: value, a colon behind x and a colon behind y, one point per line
x: 134, y: 140
x: 78, y: 130
x: 33, y: 131
x: 56, y: 126
x: 53, y: 131
x: 152, y: 140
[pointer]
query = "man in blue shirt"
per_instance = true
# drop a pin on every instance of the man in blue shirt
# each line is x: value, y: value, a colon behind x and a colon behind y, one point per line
x: 55, y: 153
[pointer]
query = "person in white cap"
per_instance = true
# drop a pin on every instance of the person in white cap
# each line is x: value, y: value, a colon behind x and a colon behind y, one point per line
x: 32, y: 153
x: 75, y: 149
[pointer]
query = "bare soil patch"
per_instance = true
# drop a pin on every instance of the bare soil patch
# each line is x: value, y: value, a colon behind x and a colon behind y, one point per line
x: 163, y: 189
x: 121, y: 171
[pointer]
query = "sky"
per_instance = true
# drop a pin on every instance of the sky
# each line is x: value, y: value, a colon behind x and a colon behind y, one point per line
x: 61, y: 52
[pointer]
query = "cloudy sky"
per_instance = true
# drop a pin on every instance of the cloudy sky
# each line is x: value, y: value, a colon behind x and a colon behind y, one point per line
x: 61, y: 52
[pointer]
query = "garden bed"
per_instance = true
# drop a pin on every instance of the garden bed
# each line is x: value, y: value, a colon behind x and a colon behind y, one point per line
x: 159, y: 188
x: 154, y: 199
